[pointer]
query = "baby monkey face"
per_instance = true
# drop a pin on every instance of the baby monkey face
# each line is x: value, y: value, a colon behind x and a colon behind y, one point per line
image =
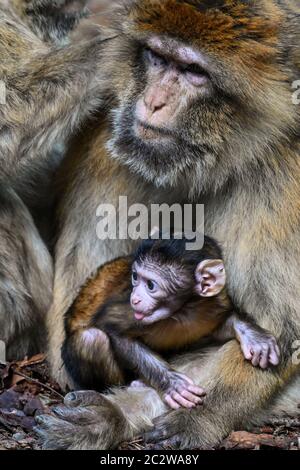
x: 159, y: 291
x: 156, y: 293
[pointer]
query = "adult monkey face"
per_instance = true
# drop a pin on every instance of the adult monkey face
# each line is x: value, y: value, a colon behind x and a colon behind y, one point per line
x: 199, y: 97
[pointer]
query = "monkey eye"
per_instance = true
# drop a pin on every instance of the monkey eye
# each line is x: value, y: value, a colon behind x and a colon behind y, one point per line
x: 134, y: 277
x: 151, y: 285
x: 196, y: 74
x: 153, y: 58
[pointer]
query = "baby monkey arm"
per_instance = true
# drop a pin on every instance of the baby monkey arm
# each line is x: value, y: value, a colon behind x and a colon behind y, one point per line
x: 258, y: 345
x: 178, y: 390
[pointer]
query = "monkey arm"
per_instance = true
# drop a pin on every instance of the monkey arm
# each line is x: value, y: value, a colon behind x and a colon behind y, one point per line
x: 177, y: 389
x: 146, y: 365
x: 257, y: 344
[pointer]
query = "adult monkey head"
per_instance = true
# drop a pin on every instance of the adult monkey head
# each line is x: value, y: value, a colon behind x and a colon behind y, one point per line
x: 200, y: 91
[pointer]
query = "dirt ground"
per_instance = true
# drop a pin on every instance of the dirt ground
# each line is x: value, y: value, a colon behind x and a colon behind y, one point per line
x: 27, y: 391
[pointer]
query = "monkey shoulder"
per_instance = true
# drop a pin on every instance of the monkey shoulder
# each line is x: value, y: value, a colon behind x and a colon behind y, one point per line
x: 102, y: 295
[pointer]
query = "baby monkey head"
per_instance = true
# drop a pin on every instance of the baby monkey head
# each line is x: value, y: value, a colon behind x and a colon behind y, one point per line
x: 165, y: 276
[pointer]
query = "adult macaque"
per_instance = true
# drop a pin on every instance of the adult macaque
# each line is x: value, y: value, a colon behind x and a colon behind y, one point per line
x: 199, y: 108
x: 177, y: 298
x: 48, y: 89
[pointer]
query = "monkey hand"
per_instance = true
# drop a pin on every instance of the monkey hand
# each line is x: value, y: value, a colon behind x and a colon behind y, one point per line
x: 84, y: 422
x: 182, y: 392
x: 260, y: 347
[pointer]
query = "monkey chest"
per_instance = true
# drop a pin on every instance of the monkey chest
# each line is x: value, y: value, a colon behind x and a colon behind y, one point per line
x: 178, y: 333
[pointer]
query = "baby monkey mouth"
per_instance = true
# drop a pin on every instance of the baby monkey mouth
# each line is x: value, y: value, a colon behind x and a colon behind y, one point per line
x: 140, y: 316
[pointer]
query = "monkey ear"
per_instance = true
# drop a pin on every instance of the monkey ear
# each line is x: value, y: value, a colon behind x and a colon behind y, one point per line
x: 210, y: 277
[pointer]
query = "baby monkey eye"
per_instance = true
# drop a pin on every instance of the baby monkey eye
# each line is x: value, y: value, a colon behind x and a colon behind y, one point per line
x: 134, y: 276
x: 151, y: 285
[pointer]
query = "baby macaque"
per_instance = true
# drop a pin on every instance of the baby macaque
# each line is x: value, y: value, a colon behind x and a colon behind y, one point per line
x: 177, y: 298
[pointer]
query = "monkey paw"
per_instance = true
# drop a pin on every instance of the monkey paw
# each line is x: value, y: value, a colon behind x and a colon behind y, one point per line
x: 177, y: 429
x: 261, y: 349
x: 182, y: 392
x: 84, y: 422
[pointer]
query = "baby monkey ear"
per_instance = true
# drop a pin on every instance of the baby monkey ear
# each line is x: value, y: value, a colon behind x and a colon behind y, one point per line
x: 210, y: 277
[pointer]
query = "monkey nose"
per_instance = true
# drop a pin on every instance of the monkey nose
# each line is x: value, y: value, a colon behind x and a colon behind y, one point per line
x: 136, y: 301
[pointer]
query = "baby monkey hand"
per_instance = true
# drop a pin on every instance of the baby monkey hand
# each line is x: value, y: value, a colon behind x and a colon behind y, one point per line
x: 258, y: 345
x: 182, y: 392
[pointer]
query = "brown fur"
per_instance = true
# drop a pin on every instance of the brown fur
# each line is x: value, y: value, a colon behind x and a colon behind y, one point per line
x: 247, y: 174
x: 111, y: 278
x: 49, y: 89
x: 103, y: 303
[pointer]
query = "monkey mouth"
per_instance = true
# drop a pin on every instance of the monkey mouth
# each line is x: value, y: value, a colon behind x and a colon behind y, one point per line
x: 147, y: 132
x: 139, y: 316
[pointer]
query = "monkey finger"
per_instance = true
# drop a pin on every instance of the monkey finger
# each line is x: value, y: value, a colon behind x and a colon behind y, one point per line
x: 274, y: 357
x: 191, y: 397
x: 162, y: 429
x: 172, y: 403
x: 48, y: 425
x: 195, y: 390
x: 79, y: 415
x: 255, y: 357
x: 247, y: 351
x: 84, y: 398
x: 264, y: 359
x: 182, y: 401
x: 157, y: 435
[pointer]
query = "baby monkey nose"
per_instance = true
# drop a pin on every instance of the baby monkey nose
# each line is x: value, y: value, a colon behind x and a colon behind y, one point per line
x: 135, y: 300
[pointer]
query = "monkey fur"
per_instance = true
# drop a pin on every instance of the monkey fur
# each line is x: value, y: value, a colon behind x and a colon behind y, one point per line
x: 51, y: 20
x: 104, y: 342
x: 50, y: 87
x: 113, y: 315
x: 236, y: 150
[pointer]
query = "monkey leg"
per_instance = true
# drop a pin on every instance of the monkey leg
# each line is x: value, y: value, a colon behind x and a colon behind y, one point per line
x: 86, y: 410
x: 236, y: 395
x: 90, y: 360
x: 25, y: 279
x: 93, y: 421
